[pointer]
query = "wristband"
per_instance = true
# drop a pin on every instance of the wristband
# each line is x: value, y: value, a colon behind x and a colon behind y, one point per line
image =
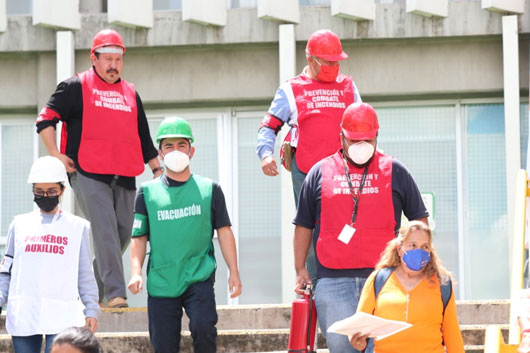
x: 157, y: 169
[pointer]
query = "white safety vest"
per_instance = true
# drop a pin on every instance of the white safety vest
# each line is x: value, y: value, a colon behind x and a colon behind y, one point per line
x: 43, y: 291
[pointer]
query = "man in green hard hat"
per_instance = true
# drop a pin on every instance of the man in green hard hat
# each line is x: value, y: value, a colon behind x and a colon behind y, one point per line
x: 178, y: 213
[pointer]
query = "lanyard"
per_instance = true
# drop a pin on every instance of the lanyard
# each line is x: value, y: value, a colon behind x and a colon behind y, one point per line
x: 354, y: 196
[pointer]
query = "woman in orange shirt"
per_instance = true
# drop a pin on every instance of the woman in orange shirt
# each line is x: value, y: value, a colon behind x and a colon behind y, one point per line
x: 412, y: 294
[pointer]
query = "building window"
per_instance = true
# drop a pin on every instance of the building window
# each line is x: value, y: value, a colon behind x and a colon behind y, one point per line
x: 17, y: 151
x: 19, y: 7
x: 167, y: 5
x: 315, y: 2
x: 486, y: 228
x: 457, y: 152
x: 259, y: 220
x: 423, y: 138
x: 243, y: 3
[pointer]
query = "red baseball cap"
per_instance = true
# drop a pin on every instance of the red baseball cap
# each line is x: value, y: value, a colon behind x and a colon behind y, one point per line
x: 359, y: 122
x: 326, y: 45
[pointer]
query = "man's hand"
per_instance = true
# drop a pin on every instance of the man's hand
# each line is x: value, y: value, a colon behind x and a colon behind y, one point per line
x: 302, y: 280
x: 68, y: 162
x: 268, y: 166
x: 234, y: 284
x: 136, y: 284
x: 91, y: 323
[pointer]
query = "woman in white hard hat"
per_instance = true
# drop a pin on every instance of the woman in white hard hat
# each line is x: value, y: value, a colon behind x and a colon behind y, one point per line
x: 47, y: 266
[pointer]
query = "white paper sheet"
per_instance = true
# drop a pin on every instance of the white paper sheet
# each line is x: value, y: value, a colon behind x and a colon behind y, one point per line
x: 370, y: 325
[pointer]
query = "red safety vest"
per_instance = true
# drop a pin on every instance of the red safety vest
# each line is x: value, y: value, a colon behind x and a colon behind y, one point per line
x: 320, y: 107
x: 110, y: 143
x: 375, y: 222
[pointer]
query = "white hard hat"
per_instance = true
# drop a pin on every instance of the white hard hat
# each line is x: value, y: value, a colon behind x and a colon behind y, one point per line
x: 47, y: 169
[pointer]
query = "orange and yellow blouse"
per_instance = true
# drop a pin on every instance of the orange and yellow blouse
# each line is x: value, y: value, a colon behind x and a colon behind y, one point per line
x: 423, y: 308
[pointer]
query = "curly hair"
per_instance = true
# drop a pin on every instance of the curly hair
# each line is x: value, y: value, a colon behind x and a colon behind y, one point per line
x: 390, y: 256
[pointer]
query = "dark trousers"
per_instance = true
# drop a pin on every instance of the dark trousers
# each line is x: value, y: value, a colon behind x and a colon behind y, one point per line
x: 165, y: 319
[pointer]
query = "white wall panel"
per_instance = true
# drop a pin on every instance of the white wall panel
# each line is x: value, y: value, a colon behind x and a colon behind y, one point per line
x: 353, y: 9
x: 60, y: 14
x: 516, y: 6
x: 285, y: 11
x: 427, y: 7
x: 206, y: 12
x: 65, y: 68
x: 3, y: 17
x: 131, y: 13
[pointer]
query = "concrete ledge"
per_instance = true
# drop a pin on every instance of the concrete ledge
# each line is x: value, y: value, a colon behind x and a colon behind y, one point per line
x: 474, y: 334
x: 242, y: 317
x: 484, y: 312
x: 269, y: 317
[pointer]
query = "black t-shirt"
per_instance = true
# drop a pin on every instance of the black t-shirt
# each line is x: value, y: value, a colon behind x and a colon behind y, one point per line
x: 219, y: 212
x: 406, y: 198
x: 67, y: 101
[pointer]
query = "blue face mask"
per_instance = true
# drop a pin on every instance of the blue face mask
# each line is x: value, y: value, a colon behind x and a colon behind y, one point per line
x: 416, y: 259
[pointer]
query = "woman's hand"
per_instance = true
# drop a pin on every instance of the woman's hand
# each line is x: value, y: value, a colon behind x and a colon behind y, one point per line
x: 358, y: 341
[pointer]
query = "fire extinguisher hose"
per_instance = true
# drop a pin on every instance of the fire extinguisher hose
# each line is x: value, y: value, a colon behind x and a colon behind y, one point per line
x: 310, y: 321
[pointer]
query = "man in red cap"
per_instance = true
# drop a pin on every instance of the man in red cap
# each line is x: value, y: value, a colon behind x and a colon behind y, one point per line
x: 350, y: 207
x: 312, y: 104
x: 105, y: 143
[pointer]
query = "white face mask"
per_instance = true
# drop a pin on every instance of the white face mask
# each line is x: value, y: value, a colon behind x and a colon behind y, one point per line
x: 176, y: 161
x: 361, y: 152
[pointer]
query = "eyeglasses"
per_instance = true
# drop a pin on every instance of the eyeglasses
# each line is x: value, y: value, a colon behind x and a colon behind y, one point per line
x: 326, y: 63
x: 49, y: 192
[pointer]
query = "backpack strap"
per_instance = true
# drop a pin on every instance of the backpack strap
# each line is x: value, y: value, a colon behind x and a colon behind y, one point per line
x: 380, y: 279
x: 446, y: 290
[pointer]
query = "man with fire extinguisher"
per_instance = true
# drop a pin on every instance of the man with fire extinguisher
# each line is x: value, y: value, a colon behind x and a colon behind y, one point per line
x: 350, y: 207
x: 105, y: 143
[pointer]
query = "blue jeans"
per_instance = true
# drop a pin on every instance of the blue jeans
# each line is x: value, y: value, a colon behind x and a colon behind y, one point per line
x: 165, y: 315
x: 298, y: 178
x: 337, y: 299
x: 31, y: 344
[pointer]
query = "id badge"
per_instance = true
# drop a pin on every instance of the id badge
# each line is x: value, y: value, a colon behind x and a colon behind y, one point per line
x: 346, y: 234
x: 5, y: 265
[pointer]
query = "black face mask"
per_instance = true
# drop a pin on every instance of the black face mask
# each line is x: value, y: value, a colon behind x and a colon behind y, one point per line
x: 46, y: 203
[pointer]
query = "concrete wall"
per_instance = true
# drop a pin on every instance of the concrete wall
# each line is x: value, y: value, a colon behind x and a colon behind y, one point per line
x: 176, y: 63
x: 239, y: 75
x: 466, y: 19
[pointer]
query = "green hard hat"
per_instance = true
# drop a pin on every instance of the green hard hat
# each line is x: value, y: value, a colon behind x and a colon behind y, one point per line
x: 172, y: 127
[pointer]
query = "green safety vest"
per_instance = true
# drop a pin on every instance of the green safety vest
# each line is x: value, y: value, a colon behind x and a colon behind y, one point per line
x: 180, y: 235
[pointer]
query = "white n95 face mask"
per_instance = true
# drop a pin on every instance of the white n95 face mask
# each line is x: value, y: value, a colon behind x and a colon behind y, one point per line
x: 361, y: 152
x: 176, y: 161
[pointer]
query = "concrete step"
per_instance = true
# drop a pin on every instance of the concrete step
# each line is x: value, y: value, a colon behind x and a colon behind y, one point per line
x: 278, y: 316
x: 272, y: 340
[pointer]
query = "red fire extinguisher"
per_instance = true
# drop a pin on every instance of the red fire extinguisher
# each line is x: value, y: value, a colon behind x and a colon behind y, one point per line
x: 303, y: 324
